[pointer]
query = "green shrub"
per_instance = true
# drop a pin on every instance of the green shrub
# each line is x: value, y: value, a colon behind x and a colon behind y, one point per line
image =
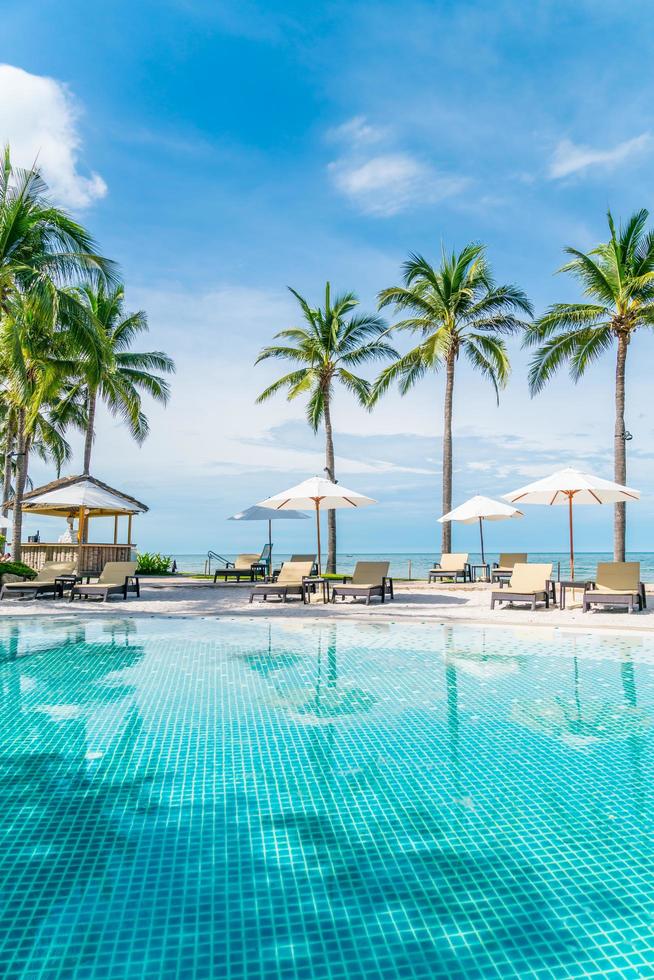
x: 152, y: 563
x: 16, y: 568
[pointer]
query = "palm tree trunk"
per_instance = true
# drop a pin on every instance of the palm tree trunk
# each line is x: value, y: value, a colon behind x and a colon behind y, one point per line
x: 620, y: 449
x: 21, y: 477
x: 10, y: 439
x: 329, y: 469
x: 88, y: 442
x: 446, y: 529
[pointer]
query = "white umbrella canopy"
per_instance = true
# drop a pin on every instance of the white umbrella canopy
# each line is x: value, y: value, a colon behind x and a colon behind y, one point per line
x: 266, y: 514
x: 316, y: 494
x: 569, y: 486
x: 479, y: 509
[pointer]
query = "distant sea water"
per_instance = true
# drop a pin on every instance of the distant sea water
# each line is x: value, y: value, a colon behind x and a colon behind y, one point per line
x: 416, y: 565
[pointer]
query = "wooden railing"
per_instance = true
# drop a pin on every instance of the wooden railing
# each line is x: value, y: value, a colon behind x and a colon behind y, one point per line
x: 94, y: 556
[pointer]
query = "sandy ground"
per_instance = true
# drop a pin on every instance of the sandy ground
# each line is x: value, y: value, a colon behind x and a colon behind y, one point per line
x: 414, y: 601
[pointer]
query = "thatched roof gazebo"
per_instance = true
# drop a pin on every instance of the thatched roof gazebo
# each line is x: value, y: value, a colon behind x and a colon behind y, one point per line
x: 81, y: 497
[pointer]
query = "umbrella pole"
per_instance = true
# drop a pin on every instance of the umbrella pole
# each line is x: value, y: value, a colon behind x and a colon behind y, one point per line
x: 572, y: 540
x: 270, y: 547
x: 481, y: 535
x: 317, y: 503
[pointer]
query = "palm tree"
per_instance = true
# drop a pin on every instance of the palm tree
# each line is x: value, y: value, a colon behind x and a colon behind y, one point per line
x: 454, y: 309
x: 41, y: 247
x: 618, y: 278
x: 106, y: 367
x: 332, y: 342
x: 33, y: 358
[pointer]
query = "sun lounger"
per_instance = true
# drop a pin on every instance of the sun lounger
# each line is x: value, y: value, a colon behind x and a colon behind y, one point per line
x: 245, y: 566
x: 370, y: 578
x: 502, y: 569
x: 529, y: 583
x: 295, y: 558
x: 43, y: 584
x: 454, y: 566
x: 116, y: 578
x: 617, y: 583
x: 290, y: 581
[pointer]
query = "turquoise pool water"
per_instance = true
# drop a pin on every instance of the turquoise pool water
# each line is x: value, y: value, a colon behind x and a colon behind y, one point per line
x: 201, y: 798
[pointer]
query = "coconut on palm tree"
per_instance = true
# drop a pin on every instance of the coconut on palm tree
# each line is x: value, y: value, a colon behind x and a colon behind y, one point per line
x: 455, y: 309
x: 617, y: 278
x: 106, y: 368
x: 324, y: 351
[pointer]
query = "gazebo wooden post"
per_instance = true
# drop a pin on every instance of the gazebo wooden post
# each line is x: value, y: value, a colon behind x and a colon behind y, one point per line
x: 116, y: 529
x: 80, y: 539
x: 129, y: 529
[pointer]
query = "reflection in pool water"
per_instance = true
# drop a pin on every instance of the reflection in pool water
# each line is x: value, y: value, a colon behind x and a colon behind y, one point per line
x: 201, y: 798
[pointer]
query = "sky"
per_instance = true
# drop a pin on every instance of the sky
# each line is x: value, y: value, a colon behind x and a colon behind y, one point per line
x: 221, y: 152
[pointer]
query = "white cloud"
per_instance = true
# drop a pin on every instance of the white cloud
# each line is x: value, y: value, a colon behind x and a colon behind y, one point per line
x: 358, y: 131
x: 39, y: 119
x: 569, y: 158
x: 391, y: 182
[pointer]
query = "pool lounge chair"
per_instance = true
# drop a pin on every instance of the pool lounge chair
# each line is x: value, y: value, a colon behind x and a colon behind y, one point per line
x: 290, y: 581
x: 502, y: 569
x: 453, y: 566
x: 617, y: 583
x: 529, y: 583
x: 311, y: 558
x: 116, y: 578
x: 369, y: 578
x: 245, y: 566
x: 43, y: 584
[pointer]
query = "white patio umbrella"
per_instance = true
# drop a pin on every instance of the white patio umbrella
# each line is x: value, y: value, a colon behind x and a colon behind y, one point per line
x: 479, y: 509
x: 569, y: 486
x: 266, y: 514
x: 317, y: 494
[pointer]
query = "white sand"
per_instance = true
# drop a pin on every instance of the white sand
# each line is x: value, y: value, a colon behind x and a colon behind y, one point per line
x: 414, y: 601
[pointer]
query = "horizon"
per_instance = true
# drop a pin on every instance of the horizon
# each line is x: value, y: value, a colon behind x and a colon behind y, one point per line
x: 214, y: 157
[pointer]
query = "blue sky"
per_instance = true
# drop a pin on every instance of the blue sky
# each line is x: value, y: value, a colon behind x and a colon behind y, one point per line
x: 221, y: 152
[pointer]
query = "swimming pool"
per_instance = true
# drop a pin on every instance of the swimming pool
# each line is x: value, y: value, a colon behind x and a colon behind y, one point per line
x: 196, y: 798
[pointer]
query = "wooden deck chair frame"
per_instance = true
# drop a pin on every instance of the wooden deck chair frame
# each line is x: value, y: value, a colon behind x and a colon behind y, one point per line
x: 525, y: 586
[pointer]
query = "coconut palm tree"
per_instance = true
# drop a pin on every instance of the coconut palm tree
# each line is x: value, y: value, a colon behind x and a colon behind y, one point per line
x: 34, y: 361
x: 455, y: 309
x: 332, y: 342
x: 617, y: 278
x: 106, y: 367
x: 41, y: 247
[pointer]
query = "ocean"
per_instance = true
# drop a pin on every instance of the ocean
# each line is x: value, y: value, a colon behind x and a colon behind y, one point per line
x: 416, y: 564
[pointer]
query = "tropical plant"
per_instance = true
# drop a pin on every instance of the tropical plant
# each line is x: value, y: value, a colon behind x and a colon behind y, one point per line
x: 41, y: 247
x: 618, y: 278
x: 16, y: 568
x: 106, y: 367
x: 331, y: 344
x: 33, y: 360
x: 154, y: 563
x: 455, y: 309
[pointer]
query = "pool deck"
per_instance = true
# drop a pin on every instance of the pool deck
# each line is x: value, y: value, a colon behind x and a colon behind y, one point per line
x: 414, y: 602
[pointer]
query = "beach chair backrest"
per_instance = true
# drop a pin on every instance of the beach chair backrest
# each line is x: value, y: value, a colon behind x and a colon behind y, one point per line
x: 453, y: 562
x: 370, y: 572
x: 52, y: 569
x: 265, y: 554
x: 115, y: 572
x: 618, y: 576
x: 311, y: 558
x: 244, y: 561
x: 530, y: 577
x: 293, y: 572
x: 508, y: 559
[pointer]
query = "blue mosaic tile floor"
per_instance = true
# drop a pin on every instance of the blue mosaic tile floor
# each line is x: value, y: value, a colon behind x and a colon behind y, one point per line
x: 193, y: 798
